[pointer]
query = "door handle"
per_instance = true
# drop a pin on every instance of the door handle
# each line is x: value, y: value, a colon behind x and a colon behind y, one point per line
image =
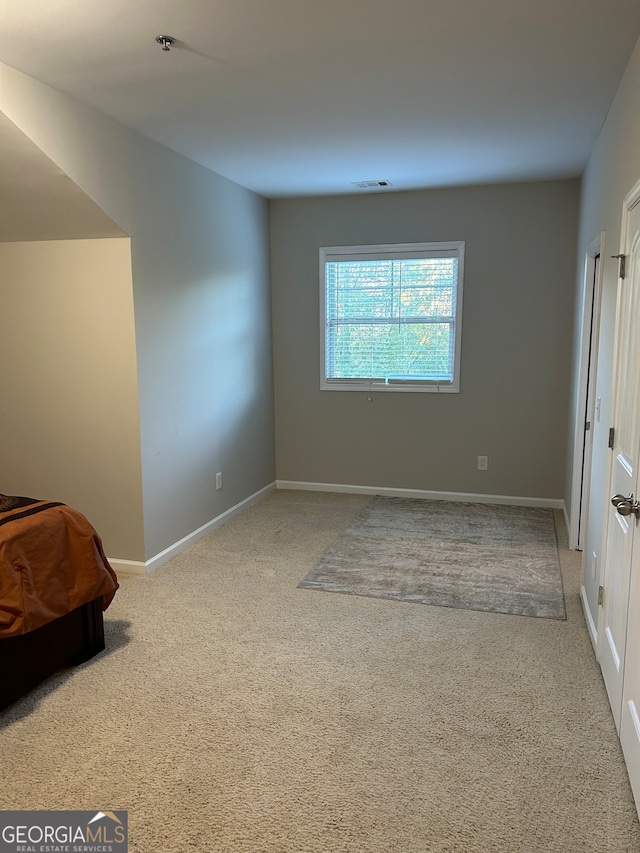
x: 615, y: 500
x: 627, y: 506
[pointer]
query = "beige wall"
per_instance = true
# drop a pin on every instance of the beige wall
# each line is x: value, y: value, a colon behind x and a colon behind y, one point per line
x: 199, y: 247
x: 516, y: 344
x: 613, y: 169
x: 69, y: 427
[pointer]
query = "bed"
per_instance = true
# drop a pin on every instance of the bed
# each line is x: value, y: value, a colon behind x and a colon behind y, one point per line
x: 55, y: 583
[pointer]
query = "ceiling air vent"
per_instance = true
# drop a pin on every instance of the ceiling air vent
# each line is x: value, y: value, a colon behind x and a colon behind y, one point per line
x: 370, y: 185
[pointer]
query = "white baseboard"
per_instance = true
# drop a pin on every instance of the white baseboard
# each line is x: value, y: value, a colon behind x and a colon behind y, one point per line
x: 567, y: 523
x: 138, y: 568
x: 128, y: 567
x: 133, y: 567
x: 421, y: 494
x: 588, y: 618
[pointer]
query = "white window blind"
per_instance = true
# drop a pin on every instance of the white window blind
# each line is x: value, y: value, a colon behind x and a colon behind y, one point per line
x: 391, y: 316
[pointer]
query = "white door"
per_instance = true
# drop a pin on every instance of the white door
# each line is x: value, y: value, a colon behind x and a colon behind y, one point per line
x: 630, y: 717
x: 630, y: 722
x: 620, y: 654
x: 624, y: 473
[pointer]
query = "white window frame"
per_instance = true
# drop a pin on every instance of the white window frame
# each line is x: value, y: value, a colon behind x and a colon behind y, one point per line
x: 388, y: 251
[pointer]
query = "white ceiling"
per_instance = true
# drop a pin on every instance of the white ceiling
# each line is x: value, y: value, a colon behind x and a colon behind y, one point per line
x: 301, y: 97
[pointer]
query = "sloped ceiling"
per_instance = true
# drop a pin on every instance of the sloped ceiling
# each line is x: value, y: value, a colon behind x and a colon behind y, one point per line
x: 38, y: 201
x: 296, y: 97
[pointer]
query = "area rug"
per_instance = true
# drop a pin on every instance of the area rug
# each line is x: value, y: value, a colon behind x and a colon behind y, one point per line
x: 468, y: 555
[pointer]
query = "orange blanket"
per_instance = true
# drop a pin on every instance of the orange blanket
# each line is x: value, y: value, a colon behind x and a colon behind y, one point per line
x: 51, y: 561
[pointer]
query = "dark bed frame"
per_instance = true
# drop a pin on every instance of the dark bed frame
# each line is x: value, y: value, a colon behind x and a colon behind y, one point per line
x: 28, y: 659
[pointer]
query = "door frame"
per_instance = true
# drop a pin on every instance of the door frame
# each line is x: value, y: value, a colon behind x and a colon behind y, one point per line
x: 585, y: 393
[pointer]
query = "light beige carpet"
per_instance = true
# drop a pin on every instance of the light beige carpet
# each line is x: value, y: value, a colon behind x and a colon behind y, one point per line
x: 236, y: 713
x: 478, y: 556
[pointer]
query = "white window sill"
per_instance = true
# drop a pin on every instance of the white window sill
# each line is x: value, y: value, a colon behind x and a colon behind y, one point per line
x: 402, y: 387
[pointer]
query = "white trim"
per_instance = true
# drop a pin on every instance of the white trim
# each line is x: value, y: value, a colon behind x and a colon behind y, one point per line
x: 130, y: 567
x: 127, y: 567
x: 630, y: 200
x: 588, y: 618
x: 370, y: 387
x: 381, y: 250
x: 421, y: 494
x: 589, y: 341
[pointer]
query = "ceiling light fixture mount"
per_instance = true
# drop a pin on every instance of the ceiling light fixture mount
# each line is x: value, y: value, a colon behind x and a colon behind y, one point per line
x: 166, y: 41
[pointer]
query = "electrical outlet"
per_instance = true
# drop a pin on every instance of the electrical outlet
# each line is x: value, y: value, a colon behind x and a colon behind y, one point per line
x: 219, y: 480
x: 483, y: 463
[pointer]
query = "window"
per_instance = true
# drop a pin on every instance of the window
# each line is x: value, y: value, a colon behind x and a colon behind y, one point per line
x: 391, y: 317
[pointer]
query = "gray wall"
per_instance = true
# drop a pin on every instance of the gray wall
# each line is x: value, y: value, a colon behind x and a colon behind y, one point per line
x: 199, y: 248
x: 516, y: 344
x: 203, y: 330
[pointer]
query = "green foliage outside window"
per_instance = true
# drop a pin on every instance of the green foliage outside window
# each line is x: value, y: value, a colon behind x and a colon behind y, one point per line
x: 391, y: 318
